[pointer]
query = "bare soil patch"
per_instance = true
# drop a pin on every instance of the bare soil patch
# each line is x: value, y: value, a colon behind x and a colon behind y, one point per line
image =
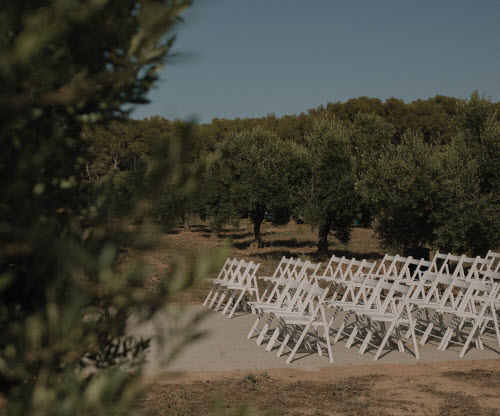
x: 291, y: 240
x: 449, y: 388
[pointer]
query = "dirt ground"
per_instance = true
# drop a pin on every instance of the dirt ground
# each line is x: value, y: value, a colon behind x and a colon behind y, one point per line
x: 462, y: 387
x: 446, y: 388
x: 291, y: 240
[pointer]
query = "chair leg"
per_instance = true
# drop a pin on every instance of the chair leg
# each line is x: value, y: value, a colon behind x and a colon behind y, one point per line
x: 344, y: 322
x: 240, y: 298
x: 218, y: 291
x: 495, y: 323
x: 320, y: 351
x: 429, y: 329
x: 299, y: 342
x: 384, y: 341
x: 273, y: 339
x: 285, y: 341
x: 254, y: 327
x: 208, y: 297
x: 221, y: 299
x: 327, y: 335
x: 366, y: 341
x: 263, y: 332
x: 229, y: 302
x: 351, y: 338
x: 401, y: 346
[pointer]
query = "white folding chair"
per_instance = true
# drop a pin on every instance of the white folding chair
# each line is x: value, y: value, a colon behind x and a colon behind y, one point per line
x: 478, y: 308
x: 245, y: 284
x: 396, y: 312
x: 310, y: 314
x: 283, y: 293
x: 227, y: 274
x: 396, y: 270
x: 285, y: 266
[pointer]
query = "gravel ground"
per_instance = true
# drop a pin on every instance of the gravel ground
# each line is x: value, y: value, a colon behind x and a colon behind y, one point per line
x: 221, y: 344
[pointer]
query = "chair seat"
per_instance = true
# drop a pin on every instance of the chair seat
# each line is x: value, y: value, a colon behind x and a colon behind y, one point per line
x: 269, y: 279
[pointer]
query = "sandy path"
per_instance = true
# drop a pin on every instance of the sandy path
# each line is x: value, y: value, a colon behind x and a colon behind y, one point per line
x: 224, y: 347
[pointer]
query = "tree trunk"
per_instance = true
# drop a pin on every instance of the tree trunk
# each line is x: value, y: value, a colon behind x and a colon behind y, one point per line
x: 323, y: 232
x: 88, y: 172
x: 185, y: 220
x: 256, y: 232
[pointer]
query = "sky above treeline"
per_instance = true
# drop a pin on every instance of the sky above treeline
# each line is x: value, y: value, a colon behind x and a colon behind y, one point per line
x: 250, y: 58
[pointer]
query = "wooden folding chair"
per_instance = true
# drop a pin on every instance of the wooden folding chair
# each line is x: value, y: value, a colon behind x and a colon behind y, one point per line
x: 397, y: 269
x: 281, y: 296
x: 395, y: 312
x: 310, y: 314
x: 479, y: 308
x: 244, y: 285
x: 227, y: 274
x: 285, y: 267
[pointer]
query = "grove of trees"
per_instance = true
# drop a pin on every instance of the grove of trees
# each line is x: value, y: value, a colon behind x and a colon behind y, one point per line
x: 424, y: 175
x: 74, y: 169
x: 70, y: 71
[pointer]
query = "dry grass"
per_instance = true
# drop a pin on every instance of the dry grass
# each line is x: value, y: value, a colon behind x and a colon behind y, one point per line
x: 291, y: 240
x: 264, y: 395
x: 413, y: 390
x: 367, y: 395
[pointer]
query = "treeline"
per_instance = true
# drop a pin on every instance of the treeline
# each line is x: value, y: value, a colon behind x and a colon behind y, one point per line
x: 424, y: 174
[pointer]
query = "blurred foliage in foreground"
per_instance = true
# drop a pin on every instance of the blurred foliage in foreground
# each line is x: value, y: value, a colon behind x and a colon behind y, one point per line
x: 67, y: 66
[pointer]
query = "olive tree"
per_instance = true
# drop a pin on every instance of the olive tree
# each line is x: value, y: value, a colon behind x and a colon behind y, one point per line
x: 402, y: 187
x: 64, y: 303
x: 468, y: 218
x: 328, y: 195
x: 252, y: 171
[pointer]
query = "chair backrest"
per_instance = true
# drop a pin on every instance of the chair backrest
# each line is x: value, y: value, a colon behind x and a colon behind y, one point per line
x: 284, y: 264
x: 245, y: 272
x: 494, y: 262
x: 351, y: 278
x: 383, y: 265
x: 443, y: 263
x: 294, y: 271
x: 227, y: 269
x: 416, y: 269
x: 309, y: 271
x: 480, y: 294
x: 333, y: 268
x: 294, y: 268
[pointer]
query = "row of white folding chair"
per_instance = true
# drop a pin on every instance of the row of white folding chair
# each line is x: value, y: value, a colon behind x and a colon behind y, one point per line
x: 391, y: 268
x: 479, y: 308
x: 239, y: 289
x: 461, y: 268
x: 389, y: 309
x: 388, y: 305
x: 455, y: 295
x: 281, y: 295
x: 375, y: 295
x: 237, y: 277
x: 227, y: 273
x: 306, y: 310
x: 296, y: 313
x: 337, y: 270
x: 465, y: 309
x: 339, y: 274
x: 390, y: 271
x: 381, y: 298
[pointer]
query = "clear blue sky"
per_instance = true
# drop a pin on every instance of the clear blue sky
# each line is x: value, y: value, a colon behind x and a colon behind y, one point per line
x: 242, y: 58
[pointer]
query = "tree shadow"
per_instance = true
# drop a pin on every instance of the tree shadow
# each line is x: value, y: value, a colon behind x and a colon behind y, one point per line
x: 349, y: 254
x: 234, y: 236
x: 278, y: 244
